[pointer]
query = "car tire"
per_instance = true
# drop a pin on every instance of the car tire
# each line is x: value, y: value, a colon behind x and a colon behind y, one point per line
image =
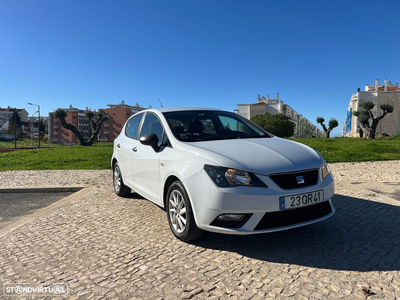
x: 180, y: 214
x: 119, y: 187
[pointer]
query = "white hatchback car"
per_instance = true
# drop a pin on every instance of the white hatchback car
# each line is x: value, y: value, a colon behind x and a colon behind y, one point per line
x: 214, y: 170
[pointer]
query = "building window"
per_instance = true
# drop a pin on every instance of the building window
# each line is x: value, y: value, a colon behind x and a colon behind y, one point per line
x: 106, y: 124
x: 55, y: 126
x: 106, y: 131
x: 55, y: 132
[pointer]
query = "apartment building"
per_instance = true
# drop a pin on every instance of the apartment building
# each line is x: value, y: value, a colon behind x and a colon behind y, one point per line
x: 110, y: 129
x: 117, y: 116
x: 76, y: 117
x: 33, y: 124
x: 387, y: 93
x: 303, y: 127
x: 5, y: 115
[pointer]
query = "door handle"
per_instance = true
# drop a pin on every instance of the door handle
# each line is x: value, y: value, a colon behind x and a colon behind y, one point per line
x: 119, y: 146
x: 134, y: 149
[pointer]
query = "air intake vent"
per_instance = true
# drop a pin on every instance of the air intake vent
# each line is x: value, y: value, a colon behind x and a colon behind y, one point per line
x: 296, y: 180
x: 294, y: 216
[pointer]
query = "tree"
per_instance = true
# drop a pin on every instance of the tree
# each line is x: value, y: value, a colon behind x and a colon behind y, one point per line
x: 332, y: 124
x: 15, y: 124
x: 278, y: 124
x: 369, y: 122
x: 96, y: 120
x: 306, y: 129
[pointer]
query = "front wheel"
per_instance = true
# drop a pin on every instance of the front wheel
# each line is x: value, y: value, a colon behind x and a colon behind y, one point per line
x: 119, y: 187
x: 180, y: 214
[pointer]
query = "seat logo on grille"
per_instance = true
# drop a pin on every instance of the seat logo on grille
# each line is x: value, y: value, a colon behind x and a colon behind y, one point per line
x: 300, y: 179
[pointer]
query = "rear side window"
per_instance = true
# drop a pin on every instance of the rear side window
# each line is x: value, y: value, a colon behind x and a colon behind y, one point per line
x: 133, y: 126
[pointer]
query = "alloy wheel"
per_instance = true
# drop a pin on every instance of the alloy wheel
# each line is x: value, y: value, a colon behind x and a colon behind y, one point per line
x: 117, y: 179
x: 177, y: 211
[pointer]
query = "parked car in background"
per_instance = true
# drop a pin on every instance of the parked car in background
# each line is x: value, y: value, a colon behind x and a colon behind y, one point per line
x: 213, y: 170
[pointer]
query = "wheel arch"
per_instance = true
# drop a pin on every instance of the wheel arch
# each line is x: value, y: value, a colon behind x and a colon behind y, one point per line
x: 171, y: 179
x: 113, y: 161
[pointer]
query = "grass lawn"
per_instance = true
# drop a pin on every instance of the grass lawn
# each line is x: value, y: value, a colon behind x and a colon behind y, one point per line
x: 26, y: 143
x: 95, y: 157
x: 98, y: 156
x: 355, y: 149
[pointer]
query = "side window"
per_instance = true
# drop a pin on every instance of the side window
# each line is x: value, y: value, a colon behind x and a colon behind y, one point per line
x: 152, y: 124
x: 133, y: 126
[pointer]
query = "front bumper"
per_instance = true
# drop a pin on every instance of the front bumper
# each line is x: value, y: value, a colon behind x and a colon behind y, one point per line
x: 261, y: 205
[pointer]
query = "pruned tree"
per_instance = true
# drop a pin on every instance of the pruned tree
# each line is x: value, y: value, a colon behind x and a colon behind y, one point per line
x: 96, y: 120
x: 333, y: 123
x: 369, y: 122
x: 278, y: 124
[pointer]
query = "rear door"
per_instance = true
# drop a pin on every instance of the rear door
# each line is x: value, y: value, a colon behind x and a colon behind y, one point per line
x: 125, y: 145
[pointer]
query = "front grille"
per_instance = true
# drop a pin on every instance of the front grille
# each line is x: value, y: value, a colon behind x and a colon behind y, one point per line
x: 294, y: 216
x: 290, y: 180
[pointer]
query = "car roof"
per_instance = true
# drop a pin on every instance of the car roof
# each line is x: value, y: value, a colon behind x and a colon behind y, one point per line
x: 174, y: 109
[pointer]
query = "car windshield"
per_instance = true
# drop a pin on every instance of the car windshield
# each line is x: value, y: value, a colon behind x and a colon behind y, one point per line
x: 205, y: 125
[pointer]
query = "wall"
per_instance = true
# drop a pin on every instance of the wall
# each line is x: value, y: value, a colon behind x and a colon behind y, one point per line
x: 390, y: 124
x: 275, y: 108
x: 258, y: 109
x: 244, y: 110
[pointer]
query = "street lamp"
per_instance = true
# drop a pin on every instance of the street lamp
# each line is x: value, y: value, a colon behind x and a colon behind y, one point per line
x: 39, y: 119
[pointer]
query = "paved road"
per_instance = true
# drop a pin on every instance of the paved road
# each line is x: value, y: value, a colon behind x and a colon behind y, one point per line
x: 13, y: 206
x: 106, y: 247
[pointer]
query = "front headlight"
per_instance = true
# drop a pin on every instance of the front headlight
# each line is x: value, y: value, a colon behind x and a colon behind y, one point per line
x: 325, y: 171
x: 225, y: 177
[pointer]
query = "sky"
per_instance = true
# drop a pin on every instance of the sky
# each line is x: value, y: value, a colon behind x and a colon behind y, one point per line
x: 200, y: 53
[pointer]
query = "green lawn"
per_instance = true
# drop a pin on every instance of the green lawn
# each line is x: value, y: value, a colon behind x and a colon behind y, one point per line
x: 98, y: 156
x: 355, y: 149
x: 59, y: 158
x: 26, y: 143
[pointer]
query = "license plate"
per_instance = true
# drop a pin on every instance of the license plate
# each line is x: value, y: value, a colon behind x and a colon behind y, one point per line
x: 300, y: 200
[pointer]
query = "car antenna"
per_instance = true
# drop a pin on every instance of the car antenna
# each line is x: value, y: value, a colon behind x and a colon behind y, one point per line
x: 160, y: 102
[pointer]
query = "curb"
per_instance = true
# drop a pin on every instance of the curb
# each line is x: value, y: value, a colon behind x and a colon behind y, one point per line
x: 41, y: 189
x: 45, y: 210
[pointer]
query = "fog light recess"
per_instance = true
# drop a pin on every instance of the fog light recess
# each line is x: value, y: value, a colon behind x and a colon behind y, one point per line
x: 230, y: 217
x: 231, y: 220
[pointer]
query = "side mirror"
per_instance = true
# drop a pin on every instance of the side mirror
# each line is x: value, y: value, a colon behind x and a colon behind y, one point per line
x: 150, y: 139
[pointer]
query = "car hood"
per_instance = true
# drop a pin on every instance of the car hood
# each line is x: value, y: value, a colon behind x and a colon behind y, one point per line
x: 263, y: 155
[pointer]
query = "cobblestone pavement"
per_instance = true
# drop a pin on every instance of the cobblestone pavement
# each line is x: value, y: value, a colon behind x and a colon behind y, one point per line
x: 106, y: 247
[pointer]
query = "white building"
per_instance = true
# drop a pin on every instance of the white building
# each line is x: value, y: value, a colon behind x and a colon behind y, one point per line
x: 303, y: 127
x: 388, y: 93
x: 5, y: 115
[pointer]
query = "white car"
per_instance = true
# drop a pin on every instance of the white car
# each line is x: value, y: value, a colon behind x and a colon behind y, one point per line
x: 213, y: 170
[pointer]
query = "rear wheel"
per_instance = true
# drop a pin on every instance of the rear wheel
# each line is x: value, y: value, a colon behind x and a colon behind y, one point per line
x: 119, y: 187
x: 180, y: 214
